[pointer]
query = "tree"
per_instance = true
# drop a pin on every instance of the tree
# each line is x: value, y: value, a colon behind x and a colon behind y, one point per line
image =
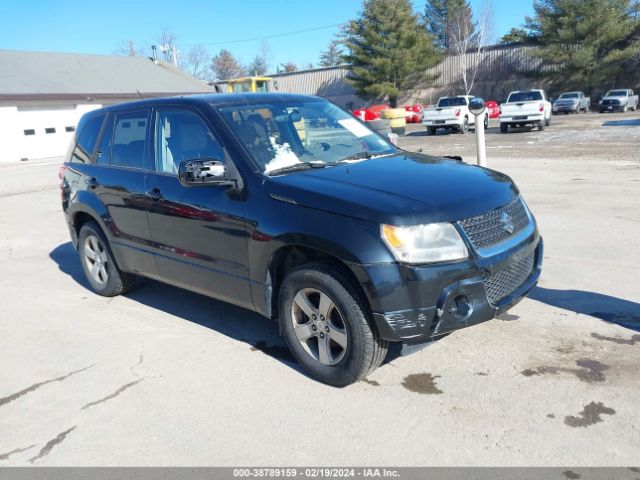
x: 197, y: 61
x: 333, y: 55
x: 260, y: 63
x: 467, y: 40
x: 439, y: 15
x: 225, y: 66
x: 290, y: 67
x: 128, y: 47
x: 389, y: 49
x: 167, y: 44
x: 586, y: 43
x: 516, y: 35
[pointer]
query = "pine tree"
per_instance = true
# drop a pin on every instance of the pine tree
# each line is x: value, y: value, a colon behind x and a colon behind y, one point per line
x: 258, y: 66
x: 586, y: 43
x: 333, y: 55
x: 516, y: 35
x: 389, y: 49
x: 441, y: 16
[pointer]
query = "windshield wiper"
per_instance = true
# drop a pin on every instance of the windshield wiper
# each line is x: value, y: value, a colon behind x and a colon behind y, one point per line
x: 297, y: 166
x: 364, y: 156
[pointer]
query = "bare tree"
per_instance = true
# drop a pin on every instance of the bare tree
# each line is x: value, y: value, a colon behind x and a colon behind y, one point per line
x: 167, y: 44
x: 468, y: 39
x: 128, y: 48
x: 225, y: 66
x: 197, y: 62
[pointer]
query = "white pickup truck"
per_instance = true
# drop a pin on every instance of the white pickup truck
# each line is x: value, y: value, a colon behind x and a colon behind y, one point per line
x: 619, y: 100
x: 451, y: 113
x: 529, y: 107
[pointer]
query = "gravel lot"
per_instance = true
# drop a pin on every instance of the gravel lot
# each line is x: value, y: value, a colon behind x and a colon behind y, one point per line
x: 167, y: 377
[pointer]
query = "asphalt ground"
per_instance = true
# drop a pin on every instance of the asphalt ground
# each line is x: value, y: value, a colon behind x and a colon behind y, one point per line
x: 166, y: 377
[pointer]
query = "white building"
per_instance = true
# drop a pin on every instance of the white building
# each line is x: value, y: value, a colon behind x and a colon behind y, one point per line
x: 43, y: 95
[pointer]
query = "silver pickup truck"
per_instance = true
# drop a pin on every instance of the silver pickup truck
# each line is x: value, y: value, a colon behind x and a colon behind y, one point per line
x: 619, y: 100
x: 572, y: 102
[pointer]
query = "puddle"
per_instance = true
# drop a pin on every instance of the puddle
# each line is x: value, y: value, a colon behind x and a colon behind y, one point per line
x: 590, y: 415
x: 571, y: 475
x: 423, y: 383
x: 590, y: 371
x: 371, y: 382
x: 275, y: 351
x: 620, y: 341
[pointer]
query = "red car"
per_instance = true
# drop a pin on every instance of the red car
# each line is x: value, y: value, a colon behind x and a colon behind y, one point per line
x: 370, y: 113
x: 413, y: 113
x: 493, y: 108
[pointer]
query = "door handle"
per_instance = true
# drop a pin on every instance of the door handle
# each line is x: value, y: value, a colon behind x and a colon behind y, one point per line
x: 155, y: 194
x: 92, y: 182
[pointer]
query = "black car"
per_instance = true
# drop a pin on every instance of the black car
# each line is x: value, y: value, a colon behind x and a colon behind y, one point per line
x: 289, y: 206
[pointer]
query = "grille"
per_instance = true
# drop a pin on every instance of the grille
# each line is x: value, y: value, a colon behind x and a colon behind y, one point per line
x: 504, y: 282
x: 489, y: 229
x: 611, y: 102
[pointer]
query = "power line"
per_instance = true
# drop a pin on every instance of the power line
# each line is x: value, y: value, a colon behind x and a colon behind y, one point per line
x: 266, y: 37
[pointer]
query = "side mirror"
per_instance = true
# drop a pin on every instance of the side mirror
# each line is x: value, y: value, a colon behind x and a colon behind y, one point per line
x: 203, y: 172
x: 476, y: 106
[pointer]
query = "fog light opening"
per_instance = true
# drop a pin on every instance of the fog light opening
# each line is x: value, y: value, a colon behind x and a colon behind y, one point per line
x: 461, y: 307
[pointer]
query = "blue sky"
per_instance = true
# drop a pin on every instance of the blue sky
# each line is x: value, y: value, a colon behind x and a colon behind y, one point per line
x: 86, y: 26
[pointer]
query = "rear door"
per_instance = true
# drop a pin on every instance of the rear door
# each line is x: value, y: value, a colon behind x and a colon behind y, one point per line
x: 199, y: 233
x: 122, y: 160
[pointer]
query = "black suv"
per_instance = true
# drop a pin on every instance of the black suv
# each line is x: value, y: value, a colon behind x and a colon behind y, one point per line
x: 289, y: 206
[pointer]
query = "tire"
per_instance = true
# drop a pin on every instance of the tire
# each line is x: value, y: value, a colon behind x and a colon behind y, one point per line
x: 464, y: 128
x: 504, y: 127
x: 541, y: 125
x: 355, y: 350
x: 486, y: 122
x: 98, y: 264
x: 431, y: 130
x: 624, y: 109
x: 547, y: 121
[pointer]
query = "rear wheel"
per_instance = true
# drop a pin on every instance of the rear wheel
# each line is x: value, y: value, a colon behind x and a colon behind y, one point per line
x: 327, y: 326
x: 98, y: 263
x: 486, y: 122
x: 541, y: 125
x: 547, y: 121
x: 504, y: 127
x: 431, y: 130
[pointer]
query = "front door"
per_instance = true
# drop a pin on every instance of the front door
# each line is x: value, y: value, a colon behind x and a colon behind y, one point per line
x: 199, y: 233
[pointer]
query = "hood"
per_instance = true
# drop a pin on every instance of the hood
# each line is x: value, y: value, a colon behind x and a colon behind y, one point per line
x: 402, y: 189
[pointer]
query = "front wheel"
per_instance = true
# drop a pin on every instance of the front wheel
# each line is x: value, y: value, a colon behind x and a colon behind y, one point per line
x: 464, y: 128
x: 327, y: 325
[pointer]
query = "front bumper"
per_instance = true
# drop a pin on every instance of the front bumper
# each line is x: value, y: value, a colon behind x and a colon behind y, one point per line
x: 611, y: 108
x: 447, y: 297
x: 565, y: 108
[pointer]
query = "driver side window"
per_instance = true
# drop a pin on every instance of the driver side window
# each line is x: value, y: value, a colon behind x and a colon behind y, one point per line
x: 182, y: 135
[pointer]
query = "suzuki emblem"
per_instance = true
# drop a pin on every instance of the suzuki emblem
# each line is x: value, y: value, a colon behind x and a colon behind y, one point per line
x: 507, y: 224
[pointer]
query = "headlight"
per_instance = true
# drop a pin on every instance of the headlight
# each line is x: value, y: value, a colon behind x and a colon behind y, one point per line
x: 435, y: 242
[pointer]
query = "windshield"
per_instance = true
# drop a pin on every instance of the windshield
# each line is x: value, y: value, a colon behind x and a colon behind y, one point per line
x: 569, y: 95
x: 452, y: 102
x: 616, y: 93
x: 285, y: 134
x: 524, y: 97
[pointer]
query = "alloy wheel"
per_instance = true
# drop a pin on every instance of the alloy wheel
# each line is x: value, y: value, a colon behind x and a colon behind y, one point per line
x: 319, y: 326
x: 96, y: 260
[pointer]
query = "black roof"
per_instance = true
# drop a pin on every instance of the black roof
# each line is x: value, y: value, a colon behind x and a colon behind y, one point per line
x: 215, y: 99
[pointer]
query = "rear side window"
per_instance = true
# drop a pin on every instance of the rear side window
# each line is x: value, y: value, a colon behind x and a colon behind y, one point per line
x: 129, y: 139
x: 88, y: 131
x: 103, y: 157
